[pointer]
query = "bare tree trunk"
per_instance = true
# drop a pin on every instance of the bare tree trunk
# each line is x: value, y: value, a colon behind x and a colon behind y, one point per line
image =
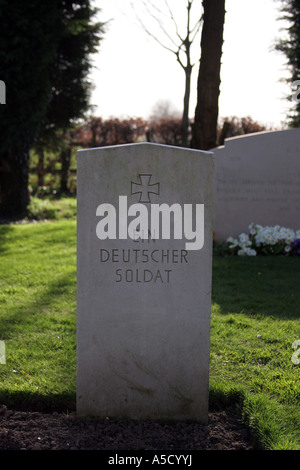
x: 204, y: 133
x: 188, y: 67
x: 186, y: 102
x: 180, y: 46
x: 65, y: 157
x: 41, y: 167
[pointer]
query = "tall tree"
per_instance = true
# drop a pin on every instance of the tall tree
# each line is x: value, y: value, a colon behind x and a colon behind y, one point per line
x: 32, y: 35
x: 204, y: 131
x: 179, y: 44
x: 79, y: 38
x: 291, y: 48
x: 27, y: 46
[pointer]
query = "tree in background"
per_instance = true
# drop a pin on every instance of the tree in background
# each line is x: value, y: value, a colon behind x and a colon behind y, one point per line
x: 234, y: 126
x: 166, y: 130
x: 44, y: 59
x: 204, y: 131
x: 27, y: 47
x: 164, y: 109
x: 97, y: 132
x: 79, y: 38
x: 291, y: 48
x: 179, y: 44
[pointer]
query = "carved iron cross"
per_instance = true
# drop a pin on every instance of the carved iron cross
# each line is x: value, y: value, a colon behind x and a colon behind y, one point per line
x: 145, y: 188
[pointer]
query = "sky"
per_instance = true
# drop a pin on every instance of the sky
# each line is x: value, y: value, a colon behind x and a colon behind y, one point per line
x: 133, y: 72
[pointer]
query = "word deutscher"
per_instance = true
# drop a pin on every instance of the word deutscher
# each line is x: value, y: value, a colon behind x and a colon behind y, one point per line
x: 117, y: 255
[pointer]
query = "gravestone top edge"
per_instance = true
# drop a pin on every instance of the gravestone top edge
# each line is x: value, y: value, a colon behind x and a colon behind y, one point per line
x: 144, y: 144
x: 255, y: 135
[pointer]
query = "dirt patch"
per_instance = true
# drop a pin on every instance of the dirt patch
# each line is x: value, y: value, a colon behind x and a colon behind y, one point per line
x: 23, y: 430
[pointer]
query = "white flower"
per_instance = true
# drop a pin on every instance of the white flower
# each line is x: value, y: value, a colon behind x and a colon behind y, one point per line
x: 233, y: 242
x: 243, y: 237
x: 244, y: 240
x: 252, y: 229
x: 250, y: 252
x: 233, y: 245
x: 247, y: 252
x: 263, y: 236
x: 290, y: 236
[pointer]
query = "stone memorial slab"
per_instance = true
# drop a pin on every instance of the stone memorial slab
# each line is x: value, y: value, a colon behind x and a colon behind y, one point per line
x: 2, y: 92
x: 257, y: 180
x: 2, y: 353
x: 144, y: 261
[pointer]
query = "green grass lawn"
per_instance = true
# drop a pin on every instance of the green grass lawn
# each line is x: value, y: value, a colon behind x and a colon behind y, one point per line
x: 38, y: 313
x: 255, y: 320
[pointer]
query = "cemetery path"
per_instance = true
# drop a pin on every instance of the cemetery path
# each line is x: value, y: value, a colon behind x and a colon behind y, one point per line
x: 23, y: 430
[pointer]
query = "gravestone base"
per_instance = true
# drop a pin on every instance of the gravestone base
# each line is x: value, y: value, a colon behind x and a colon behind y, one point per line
x: 143, y: 304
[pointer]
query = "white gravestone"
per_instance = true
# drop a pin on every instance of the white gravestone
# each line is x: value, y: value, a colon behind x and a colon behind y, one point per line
x: 144, y: 261
x: 257, y: 180
x: 2, y: 92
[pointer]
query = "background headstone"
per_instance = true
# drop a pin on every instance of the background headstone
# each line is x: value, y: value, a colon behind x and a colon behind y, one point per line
x: 2, y: 92
x: 143, y: 306
x: 2, y: 353
x: 257, y: 180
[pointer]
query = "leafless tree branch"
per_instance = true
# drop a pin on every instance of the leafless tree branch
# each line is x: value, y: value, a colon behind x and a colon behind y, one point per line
x: 155, y: 37
x: 173, y: 20
x: 158, y: 21
x: 180, y: 46
x: 196, y: 28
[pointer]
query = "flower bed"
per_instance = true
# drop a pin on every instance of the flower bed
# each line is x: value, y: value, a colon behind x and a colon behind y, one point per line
x: 263, y: 241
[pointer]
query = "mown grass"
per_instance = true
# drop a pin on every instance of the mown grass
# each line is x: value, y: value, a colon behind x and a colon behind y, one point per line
x: 38, y: 313
x: 52, y: 209
x: 255, y: 319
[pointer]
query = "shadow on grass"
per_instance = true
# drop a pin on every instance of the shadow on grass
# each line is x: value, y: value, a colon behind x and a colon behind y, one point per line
x: 46, y: 403
x: 36, y: 323
x: 34, y: 310
x: 257, y: 285
x: 6, y: 232
x: 39, y: 234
